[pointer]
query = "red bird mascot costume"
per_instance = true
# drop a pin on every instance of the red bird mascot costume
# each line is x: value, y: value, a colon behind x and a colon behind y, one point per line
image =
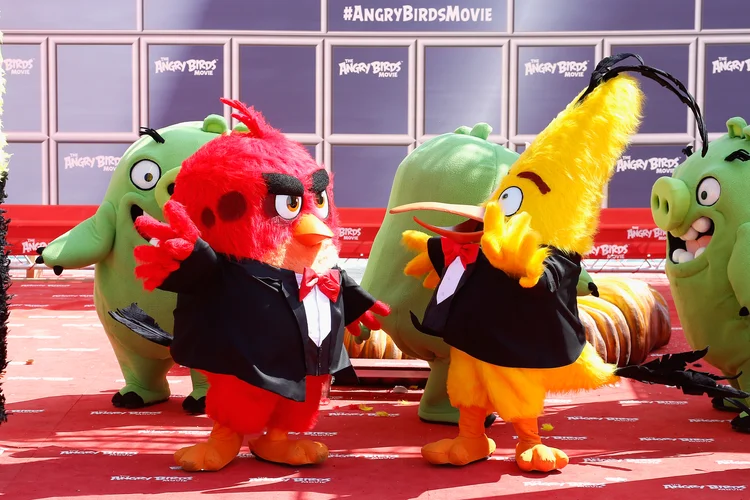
x: 251, y: 250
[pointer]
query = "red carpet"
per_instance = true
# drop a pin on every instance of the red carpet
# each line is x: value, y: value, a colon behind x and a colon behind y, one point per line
x: 65, y: 440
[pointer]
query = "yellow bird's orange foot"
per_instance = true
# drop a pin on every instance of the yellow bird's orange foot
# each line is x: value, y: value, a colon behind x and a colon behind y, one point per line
x: 221, y: 448
x: 278, y: 448
x: 458, y: 451
x: 540, y: 458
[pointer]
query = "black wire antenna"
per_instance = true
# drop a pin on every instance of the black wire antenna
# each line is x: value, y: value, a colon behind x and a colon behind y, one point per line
x: 152, y: 133
x: 606, y: 70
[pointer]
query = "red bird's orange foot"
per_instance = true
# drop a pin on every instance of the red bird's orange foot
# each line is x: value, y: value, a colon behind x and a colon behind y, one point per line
x: 221, y: 448
x: 540, y: 458
x: 458, y: 451
x: 282, y: 450
x: 204, y: 457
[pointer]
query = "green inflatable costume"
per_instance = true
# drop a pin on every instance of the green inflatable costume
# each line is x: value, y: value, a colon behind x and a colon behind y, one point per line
x: 705, y: 209
x: 460, y: 167
x: 142, y: 183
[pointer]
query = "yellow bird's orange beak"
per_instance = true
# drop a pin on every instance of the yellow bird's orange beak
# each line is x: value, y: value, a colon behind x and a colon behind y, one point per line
x: 311, y: 231
x: 469, y: 231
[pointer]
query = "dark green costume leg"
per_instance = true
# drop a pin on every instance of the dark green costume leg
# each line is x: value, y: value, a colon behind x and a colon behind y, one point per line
x: 195, y: 403
x: 145, y: 378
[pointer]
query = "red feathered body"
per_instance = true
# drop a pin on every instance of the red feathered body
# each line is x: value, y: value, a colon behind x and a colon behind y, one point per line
x: 247, y: 409
x: 223, y: 189
x: 246, y: 199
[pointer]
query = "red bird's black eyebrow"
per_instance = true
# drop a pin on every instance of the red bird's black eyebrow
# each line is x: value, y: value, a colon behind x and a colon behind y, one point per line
x: 284, y: 184
x: 538, y: 182
x: 320, y: 181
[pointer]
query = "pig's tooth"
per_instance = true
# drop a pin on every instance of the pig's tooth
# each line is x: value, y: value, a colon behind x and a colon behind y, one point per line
x: 154, y: 242
x: 690, y: 235
x: 685, y: 257
x: 699, y: 251
x: 702, y: 225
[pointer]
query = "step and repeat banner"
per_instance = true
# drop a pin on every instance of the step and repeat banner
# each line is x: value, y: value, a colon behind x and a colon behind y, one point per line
x: 360, y: 82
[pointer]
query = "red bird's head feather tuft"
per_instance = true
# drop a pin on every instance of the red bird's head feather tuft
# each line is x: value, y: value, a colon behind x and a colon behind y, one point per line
x: 254, y: 120
x: 253, y: 193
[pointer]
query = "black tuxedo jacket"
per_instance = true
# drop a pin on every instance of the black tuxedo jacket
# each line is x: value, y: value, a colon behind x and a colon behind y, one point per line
x: 493, y: 318
x: 244, y: 318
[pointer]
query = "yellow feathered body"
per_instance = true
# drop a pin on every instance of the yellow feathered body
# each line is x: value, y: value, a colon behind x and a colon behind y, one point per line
x: 519, y: 393
x: 575, y: 156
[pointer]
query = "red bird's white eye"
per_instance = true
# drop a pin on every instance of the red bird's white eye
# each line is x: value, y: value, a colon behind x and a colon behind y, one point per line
x: 321, y: 204
x: 288, y: 206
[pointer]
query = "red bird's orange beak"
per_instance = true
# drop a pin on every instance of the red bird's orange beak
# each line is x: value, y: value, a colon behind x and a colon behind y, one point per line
x: 311, y: 231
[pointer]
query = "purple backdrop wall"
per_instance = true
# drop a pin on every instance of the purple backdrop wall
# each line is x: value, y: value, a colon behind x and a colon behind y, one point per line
x: 359, y: 83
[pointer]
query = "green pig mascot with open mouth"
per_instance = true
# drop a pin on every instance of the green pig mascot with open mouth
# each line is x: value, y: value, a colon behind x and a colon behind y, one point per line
x: 705, y: 210
x: 142, y: 183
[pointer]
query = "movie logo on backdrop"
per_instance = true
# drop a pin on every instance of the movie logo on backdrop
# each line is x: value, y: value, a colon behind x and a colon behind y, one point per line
x: 197, y: 67
x: 350, y: 233
x: 411, y: 14
x: 662, y: 166
x: 568, y: 69
x: 646, y: 233
x: 18, y: 66
x: 417, y: 15
x: 381, y: 69
x: 609, y: 251
x: 106, y: 163
x: 30, y: 245
x: 724, y: 65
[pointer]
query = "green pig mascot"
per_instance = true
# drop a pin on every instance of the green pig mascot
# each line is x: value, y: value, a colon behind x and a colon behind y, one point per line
x: 461, y: 167
x: 142, y: 183
x: 705, y: 210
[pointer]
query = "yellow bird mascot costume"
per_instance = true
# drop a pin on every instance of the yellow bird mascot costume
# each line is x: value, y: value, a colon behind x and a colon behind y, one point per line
x: 506, y: 301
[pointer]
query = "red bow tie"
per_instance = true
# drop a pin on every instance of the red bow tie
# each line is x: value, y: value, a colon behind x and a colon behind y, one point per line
x: 467, y: 253
x: 329, y: 283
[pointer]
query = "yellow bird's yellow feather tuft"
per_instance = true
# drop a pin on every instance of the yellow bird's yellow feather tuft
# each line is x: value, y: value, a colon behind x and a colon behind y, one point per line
x: 575, y: 158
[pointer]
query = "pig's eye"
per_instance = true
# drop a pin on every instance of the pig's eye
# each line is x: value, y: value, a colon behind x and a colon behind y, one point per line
x: 145, y: 174
x: 708, y: 192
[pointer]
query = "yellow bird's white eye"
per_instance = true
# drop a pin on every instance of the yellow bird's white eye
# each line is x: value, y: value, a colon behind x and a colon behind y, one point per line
x: 511, y: 200
x: 321, y: 204
x: 288, y: 206
x: 708, y: 192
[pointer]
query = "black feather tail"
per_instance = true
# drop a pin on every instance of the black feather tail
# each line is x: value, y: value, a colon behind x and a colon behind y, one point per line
x: 671, y: 369
x: 141, y: 323
x: 606, y: 70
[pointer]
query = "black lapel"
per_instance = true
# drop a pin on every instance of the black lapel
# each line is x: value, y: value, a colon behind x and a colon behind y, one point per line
x: 466, y: 275
x: 291, y: 292
x: 337, y: 329
x: 282, y: 280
